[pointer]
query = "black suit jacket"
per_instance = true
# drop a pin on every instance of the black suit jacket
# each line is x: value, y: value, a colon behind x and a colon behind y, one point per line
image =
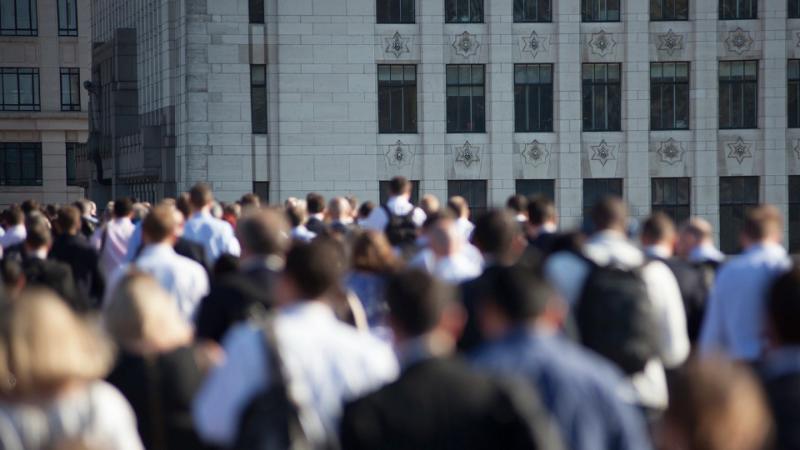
x: 56, y: 276
x: 783, y: 394
x: 440, y: 404
x: 317, y: 226
x: 694, y: 291
x: 194, y: 251
x: 472, y: 293
x: 83, y: 260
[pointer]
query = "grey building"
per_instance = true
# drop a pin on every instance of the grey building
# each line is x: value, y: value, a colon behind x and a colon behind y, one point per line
x: 44, y: 57
x: 686, y: 106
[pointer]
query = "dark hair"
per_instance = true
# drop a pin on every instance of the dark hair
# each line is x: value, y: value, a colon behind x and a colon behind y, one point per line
x: 373, y: 253
x: 517, y: 203
x: 494, y: 232
x: 250, y: 201
x: 315, y: 267
x: 226, y: 264
x: 783, y: 307
x: 68, y: 219
x: 184, y: 205
x: 38, y: 231
x: 609, y: 213
x: 541, y: 210
x: 263, y: 233
x: 82, y: 205
x: 399, y: 186
x: 315, y: 203
x: 365, y: 209
x: 658, y: 227
x: 123, y: 207
x: 416, y: 301
x: 159, y: 224
x: 11, y: 272
x: 517, y: 292
x: 200, y: 195
x: 761, y: 222
x: 15, y: 215
x: 29, y: 206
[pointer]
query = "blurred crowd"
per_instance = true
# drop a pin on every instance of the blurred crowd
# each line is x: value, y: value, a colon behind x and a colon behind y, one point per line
x: 194, y: 324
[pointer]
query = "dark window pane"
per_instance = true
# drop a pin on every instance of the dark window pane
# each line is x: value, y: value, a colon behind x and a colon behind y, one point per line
x: 397, y: 98
x: 672, y: 196
x: 595, y: 189
x: 261, y: 189
x: 258, y: 98
x: 532, y: 11
x: 736, y: 196
x: 21, y: 164
x: 793, y: 99
x: 256, y: 11
x: 533, y: 98
x: 794, y: 214
x: 19, y: 90
x: 602, y: 97
x: 67, y: 18
x: 465, y: 99
x: 383, y: 191
x: 395, y: 11
x: 70, y: 89
x: 739, y: 9
x: 738, y: 99
x: 473, y: 191
x: 600, y: 10
x: 530, y: 188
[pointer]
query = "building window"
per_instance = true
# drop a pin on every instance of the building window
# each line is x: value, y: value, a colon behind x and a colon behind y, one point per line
x: 794, y: 9
x: 602, y: 97
x: 533, y: 11
x: 738, y: 94
x: 794, y: 93
x: 72, y: 162
x: 736, y: 196
x: 669, y: 10
x: 473, y: 191
x: 383, y: 191
x: 600, y: 10
x: 19, y: 89
x: 261, y: 190
x: 596, y: 189
x: 70, y: 89
x: 18, y: 18
x: 466, y: 100
x: 672, y: 196
x: 258, y: 98
x: 533, y: 97
x: 396, y: 11
x: 21, y: 164
x: 397, y: 98
x: 794, y: 213
x: 534, y: 188
x: 738, y: 9
x: 67, y: 17
x: 256, y: 10
x: 669, y: 96
x: 463, y: 11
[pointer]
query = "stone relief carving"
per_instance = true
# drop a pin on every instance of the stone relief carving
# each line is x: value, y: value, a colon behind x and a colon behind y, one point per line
x: 603, y: 153
x: 466, y: 44
x: 397, y: 45
x: 533, y: 44
x: 740, y: 150
x: 671, y: 152
x: 739, y: 41
x: 670, y: 42
x: 399, y: 155
x: 467, y: 154
x: 536, y: 153
x: 602, y: 43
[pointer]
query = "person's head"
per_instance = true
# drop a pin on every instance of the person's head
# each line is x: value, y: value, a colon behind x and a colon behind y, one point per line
x: 201, y: 197
x: 443, y: 237
x: 373, y: 253
x: 263, y: 233
x: 541, y: 211
x: 365, y: 210
x: 184, y: 205
x: 715, y: 405
x: 68, y: 220
x: 311, y: 272
x: 516, y: 296
x: 399, y: 186
x: 15, y: 216
x: 429, y: 204
x: 518, y: 204
x: 610, y: 214
x: 45, y: 347
x: 51, y: 211
x: 29, y: 206
x: 694, y: 233
x: 339, y: 209
x: 142, y: 318
x: 762, y: 224
x: 232, y: 211
x: 315, y: 203
x: 495, y: 234
x: 659, y: 229
x: 250, y: 202
x: 458, y: 205
x: 419, y: 304
x: 13, y: 277
x: 160, y: 226
x: 783, y: 310
x: 352, y: 200
x: 296, y: 212
x: 39, y: 236
x: 123, y: 207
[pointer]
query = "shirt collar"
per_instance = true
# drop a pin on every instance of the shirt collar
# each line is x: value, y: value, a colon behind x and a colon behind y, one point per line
x: 310, y: 309
x: 158, y: 249
x: 657, y: 251
x: 398, y: 200
x: 767, y: 247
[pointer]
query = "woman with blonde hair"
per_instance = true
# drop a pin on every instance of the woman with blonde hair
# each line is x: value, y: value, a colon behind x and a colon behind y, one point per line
x: 51, y: 367
x: 158, y: 369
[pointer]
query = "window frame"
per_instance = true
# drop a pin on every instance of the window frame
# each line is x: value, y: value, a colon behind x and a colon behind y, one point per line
x: 663, y: 82
x: 604, y: 84
x: 592, y: 15
x: 62, y: 6
x: 476, y: 208
x: 754, y: 8
x: 520, y: 6
x: 71, y: 155
x: 17, y: 30
x: 6, y: 149
x: 523, y: 93
x: 793, y: 85
x: 742, y: 85
x: 477, y: 109
x: 399, y: 18
x: 679, y: 211
x: 406, y: 88
x: 71, y: 73
x: 598, y: 192
x: 36, y: 104
x: 669, y: 18
x: 737, y: 204
x: 473, y: 18
x: 264, y: 128
x: 539, y: 187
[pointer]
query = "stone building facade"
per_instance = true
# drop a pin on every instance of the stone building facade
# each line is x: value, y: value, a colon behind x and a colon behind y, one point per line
x: 185, y: 104
x: 44, y: 58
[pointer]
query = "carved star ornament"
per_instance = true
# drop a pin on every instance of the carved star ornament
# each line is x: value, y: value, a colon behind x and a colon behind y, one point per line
x: 467, y: 154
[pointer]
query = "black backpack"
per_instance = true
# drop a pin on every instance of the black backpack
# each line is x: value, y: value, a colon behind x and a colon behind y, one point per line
x: 615, y: 317
x: 400, y: 230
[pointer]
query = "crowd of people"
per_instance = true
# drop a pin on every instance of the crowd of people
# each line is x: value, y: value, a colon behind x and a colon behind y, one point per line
x: 192, y: 324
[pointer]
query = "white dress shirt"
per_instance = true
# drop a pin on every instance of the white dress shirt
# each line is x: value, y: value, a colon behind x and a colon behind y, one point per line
x: 216, y: 236
x: 399, y: 206
x: 327, y: 363
x: 454, y: 269
x: 13, y: 236
x: 734, y: 321
x: 706, y: 252
x: 302, y: 234
x: 568, y: 274
x: 465, y: 228
x: 185, y: 280
x: 113, y: 239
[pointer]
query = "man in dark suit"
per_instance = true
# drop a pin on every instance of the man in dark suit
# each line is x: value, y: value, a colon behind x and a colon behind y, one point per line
x: 50, y: 274
x: 71, y: 248
x: 439, y: 402
x: 264, y: 237
x: 315, y: 204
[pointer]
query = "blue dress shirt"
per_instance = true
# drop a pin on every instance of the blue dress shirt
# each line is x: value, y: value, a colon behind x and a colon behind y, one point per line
x: 215, y: 235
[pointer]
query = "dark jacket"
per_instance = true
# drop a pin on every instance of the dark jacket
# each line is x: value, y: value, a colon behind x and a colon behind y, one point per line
x: 694, y: 291
x: 316, y: 226
x: 194, y: 251
x: 472, y: 293
x: 87, y: 227
x: 83, y: 260
x: 440, y: 404
x: 56, y: 276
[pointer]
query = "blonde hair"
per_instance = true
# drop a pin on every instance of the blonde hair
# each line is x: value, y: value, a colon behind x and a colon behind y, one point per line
x: 44, y: 346
x: 141, y: 315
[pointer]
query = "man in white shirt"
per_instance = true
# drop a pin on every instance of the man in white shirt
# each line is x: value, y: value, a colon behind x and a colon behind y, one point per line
x: 399, y: 204
x: 734, y: 322
x: 112, y: 239
x: 15, y: 233
x: 696, y: 243
x: 184, y: 279
x: 609, y: 246
x: 459, y: 206
x: 216, y: 236
x: 326, y: 362
x: 448, y: 257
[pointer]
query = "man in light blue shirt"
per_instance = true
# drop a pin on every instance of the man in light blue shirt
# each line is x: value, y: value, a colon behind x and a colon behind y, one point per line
x: 216, y: 236
x: 734, y: 322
